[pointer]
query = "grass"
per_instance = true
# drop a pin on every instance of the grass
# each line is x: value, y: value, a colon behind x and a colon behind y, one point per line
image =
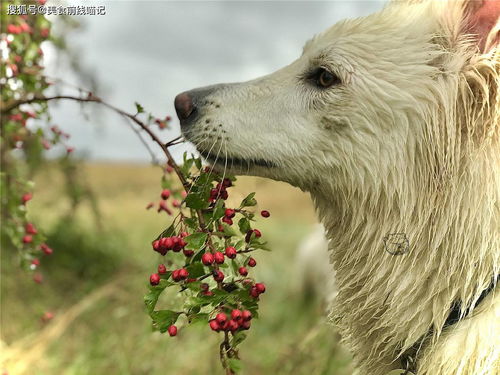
x: 97, y: 277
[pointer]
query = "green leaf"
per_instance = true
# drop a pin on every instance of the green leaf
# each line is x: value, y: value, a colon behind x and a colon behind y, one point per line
x: 151, y: 299
x: 244, y: 225
x: 248, y: 201
x: 195, y: 270
x: 229, y: 231
x: 196, y: 241
x: 162, y: 319
x: 234, y: 364
x: 235, y: 266
x: 219, y: 210
x: 166, y: 183
x: 196, y: 201
x: 238, y: 338
x: 139, y: 108
x: 198, y: 318
x: 191, y: 222
x: 167, y: 232
x: 256, y: 244
x: 197, y: 163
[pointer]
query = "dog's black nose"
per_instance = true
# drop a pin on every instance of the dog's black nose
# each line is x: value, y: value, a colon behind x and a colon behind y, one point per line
x: 185, y: 108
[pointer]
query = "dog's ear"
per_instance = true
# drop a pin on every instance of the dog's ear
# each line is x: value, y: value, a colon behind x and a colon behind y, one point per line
x: 482, y: 21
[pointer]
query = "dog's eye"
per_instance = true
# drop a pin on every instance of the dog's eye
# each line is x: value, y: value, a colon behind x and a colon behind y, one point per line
x: 325, y: 79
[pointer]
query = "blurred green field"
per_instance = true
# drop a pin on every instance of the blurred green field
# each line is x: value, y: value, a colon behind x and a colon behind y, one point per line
x: 95, y: 282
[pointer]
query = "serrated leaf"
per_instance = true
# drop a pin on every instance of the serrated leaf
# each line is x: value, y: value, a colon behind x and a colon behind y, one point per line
x: 196, y: 241
x: 229, y: 231
x: 170, y: 231
x: 234, y: 364
x: 238, y: 338
x: 166, y: 183
x: 218, y: 211
x: 198, y: 318
x: 196, y: 201
x: 244, y: 225
x: 151, y: 299
x: 139, y: 108
x: 162, y: 319
x: 195, y: 270
x: 248, y: 201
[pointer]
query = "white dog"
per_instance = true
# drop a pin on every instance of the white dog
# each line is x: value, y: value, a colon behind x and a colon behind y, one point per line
x: 391, y: 122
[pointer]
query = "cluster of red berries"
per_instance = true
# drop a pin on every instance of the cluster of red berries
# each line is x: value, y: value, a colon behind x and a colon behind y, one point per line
x: 165, y: 194
x: 174, y: 243
x: 162, y: 124
x: 239, y: 320
x: 220, y: 191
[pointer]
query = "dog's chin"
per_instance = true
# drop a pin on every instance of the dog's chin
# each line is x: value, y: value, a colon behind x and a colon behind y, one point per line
x: 238, y: 165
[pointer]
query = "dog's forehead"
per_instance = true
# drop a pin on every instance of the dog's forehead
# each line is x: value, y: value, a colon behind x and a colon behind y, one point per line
x: 391, y: 25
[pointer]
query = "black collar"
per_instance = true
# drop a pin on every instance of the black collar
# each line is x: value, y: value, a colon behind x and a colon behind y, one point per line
x: 408, y: 359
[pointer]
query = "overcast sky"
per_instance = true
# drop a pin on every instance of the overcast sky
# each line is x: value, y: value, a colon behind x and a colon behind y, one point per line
x: 149, y: 51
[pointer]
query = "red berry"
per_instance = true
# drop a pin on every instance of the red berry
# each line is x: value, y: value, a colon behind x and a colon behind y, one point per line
x: 156, y: 245
x: 265, y: 213
x: 219, y: 257
x: 26, y: 197
x: 167, y: 242
x: 223, y: 194
x: 30, y: 228
x: 207, y: 293
x: 231, y: 252
x: 227, y: 182
x: 257, y: 233
x: 221, y: 318
x: 183, y: 273
x: 243, y: 271
x: 252, y: 262
x: 207, y: 259
x: 214, y: 325
x: 35, y: 262
x: 254, y: 292
x: 154, y: 279
x: 232, y: 325
x: 162, y: 269
x: 162, y: 206
x: 183, y: 234
x: 13, y: 29
x: 246, y: 315
x: 261, y: 288
x: 25, y: 27
x: 245, y: 325
x: 218, y: 276
x: 230, y: 213
x: 172, y: 330
x: 27, y: 239
x: 38, y: 278
x: 44, y: 32
x: 236, y: 315
x: 47, y: 316
x: 227, y: 220
x: 176, y: 276
x: 165, y: 194
x: 188, y: 253
x: 204, y: 286
x: 46, y: 249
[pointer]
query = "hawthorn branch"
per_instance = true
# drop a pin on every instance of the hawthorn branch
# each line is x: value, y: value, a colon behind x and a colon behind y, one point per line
x: 6, y: 107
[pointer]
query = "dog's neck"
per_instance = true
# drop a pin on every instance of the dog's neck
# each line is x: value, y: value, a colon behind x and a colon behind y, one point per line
x: 387, y: 302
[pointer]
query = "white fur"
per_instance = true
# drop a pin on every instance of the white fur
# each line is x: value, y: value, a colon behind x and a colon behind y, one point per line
x: 408, y: 142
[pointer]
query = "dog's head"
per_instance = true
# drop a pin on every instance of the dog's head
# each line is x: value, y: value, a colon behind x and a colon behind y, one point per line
x: 360, y: 98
